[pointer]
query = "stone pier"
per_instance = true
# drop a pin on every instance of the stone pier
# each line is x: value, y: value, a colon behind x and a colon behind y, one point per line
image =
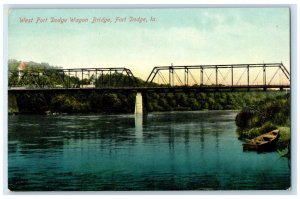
x: 138, y: 104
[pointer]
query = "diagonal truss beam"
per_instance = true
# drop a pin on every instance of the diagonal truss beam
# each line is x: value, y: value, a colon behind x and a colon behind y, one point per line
x: 71, y: 78
x: 217, y: 74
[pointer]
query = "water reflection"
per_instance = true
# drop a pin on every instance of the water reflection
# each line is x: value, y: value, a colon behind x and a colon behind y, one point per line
x: 138, y: 126
x: 202, y: 136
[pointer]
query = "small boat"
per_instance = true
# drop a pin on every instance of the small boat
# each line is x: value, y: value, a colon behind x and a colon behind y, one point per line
x: 263, y: 142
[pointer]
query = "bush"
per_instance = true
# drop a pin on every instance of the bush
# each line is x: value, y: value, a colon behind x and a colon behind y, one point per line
x: 256, y: 131
x: 284, y: 139
x: 267, y: 115
x: 267, y: 127
x: 68, y: 104
x: 243, y: 118
x: 276, y: 111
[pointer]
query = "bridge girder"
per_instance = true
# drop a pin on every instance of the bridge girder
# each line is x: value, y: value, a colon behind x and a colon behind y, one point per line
x: 172, y: 71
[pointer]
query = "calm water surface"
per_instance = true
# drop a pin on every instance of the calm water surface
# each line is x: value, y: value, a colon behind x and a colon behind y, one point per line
x: 165, y: 151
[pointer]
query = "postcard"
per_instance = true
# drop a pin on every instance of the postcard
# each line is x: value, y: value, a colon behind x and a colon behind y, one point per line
x: 149, y: 99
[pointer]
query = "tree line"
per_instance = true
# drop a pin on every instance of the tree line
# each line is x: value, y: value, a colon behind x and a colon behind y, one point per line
x: 44, y: 75
x: 106, y: 102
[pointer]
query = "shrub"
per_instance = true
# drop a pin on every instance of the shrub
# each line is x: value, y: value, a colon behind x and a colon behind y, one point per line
x: 284, y: 139
x: 242, y: 118
x: 256, y: 131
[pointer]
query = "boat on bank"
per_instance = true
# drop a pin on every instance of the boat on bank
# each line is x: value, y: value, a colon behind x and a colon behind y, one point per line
x: 263, y: 142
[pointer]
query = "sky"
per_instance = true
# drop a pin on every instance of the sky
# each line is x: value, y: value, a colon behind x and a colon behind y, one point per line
x: 190, y: 36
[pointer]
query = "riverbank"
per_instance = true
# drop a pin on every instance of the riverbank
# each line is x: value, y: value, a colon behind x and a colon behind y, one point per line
x: 267, y: 116
x: 43, y: 103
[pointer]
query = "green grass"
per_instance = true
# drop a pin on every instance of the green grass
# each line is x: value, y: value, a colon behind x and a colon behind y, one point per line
x: 283, y: 143
x: 284, y: 138
x: 269, y: 114
x: 256, y: 131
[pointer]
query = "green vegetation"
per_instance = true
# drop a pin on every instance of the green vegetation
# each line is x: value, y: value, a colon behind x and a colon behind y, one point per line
x: 32, y: 75
x: 204, y: 101
x: 96, y: 102
x: 283, y: 143
x: 267, y: 115
x: 44, y: 75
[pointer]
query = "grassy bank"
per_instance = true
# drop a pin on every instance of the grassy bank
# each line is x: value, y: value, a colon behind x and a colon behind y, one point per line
x: 272, y: 113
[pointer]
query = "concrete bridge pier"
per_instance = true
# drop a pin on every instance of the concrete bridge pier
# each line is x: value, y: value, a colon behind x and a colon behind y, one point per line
x: 140, y: 104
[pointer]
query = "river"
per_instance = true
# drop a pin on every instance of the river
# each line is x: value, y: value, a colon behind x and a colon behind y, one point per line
x: 163, y: 151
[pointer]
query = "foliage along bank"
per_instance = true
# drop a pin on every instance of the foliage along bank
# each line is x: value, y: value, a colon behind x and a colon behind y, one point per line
x: 94, y: 102
x: 265, y: 116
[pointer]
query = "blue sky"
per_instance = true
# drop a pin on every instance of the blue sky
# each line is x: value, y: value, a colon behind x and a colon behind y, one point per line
x: 179, y: 36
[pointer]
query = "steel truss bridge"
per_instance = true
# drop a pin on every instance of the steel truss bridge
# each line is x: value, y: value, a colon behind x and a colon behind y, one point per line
x: 161, y: 79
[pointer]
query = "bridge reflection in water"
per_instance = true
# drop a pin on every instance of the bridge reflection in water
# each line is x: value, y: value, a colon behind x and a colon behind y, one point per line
x: 138, y: 126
